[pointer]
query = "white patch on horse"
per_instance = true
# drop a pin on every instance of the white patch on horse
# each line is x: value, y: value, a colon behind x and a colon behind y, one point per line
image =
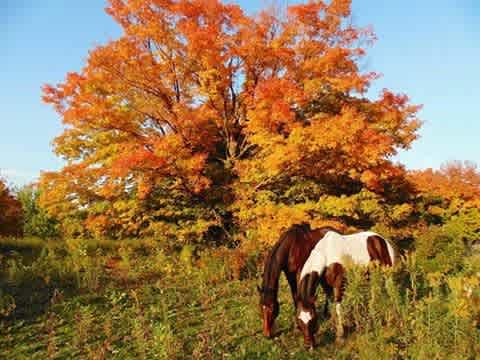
x: 338, y: 309
x: 335, y: 248
x: 305, y: 316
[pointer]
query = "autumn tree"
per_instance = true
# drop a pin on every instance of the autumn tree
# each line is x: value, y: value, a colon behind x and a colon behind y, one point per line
x: 201, y: 119
x: 449, y: 198
x: 454, y: 180
x: 36, y: 221
x: 10, y: 212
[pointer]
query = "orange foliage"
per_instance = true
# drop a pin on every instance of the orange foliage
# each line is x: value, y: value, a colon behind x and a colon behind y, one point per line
x: 220, y: 104
x: 453, y: 180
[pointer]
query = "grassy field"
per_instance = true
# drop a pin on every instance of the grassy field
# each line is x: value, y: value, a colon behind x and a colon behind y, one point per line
x: 135, y: 299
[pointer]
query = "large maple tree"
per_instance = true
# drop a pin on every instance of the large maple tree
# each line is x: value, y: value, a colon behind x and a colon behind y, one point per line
x: 201, y: 117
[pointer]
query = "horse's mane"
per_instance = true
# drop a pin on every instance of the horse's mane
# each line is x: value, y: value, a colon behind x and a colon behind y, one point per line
x: 273, y: 266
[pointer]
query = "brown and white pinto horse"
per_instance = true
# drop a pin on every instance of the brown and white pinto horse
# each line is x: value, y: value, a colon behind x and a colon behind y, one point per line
x: 287, y: 255
x: 325, y: 266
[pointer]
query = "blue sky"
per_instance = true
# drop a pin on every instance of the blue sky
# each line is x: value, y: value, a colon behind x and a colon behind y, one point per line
x: 428, y: 49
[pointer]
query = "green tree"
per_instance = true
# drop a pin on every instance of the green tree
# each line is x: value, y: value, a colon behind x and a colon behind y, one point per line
x: 36, y: 221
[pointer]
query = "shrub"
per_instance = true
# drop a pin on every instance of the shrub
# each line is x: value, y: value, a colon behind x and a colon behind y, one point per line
x: 36, y: 221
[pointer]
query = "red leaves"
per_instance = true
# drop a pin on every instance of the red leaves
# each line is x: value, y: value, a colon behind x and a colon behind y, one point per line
x: 11, y: 212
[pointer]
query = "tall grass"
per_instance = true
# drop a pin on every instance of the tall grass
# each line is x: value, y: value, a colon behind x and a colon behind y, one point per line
x: 105, y: 299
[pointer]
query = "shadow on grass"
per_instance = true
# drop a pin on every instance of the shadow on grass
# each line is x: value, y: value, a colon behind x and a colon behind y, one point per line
x: 33, y: 296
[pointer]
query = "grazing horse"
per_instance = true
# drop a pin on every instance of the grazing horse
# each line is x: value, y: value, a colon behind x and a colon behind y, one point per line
x: 325, y: 266
x: 287, y: 255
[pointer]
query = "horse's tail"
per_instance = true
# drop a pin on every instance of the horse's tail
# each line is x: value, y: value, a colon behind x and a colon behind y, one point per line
x: 393, y: 251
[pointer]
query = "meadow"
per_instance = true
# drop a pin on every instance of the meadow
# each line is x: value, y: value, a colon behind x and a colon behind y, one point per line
x: 189, y: 143
x: 104, y: 299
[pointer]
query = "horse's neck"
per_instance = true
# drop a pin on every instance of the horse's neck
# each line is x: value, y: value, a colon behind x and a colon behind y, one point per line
x: 273, y: 268
x: 271, y: 278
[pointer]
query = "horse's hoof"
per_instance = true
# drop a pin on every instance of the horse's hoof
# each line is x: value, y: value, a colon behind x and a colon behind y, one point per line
x: 340, y: 340
x: 309, y: 347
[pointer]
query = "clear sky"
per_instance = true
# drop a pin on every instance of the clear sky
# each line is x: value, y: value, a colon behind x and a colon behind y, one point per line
x: 428, y: 49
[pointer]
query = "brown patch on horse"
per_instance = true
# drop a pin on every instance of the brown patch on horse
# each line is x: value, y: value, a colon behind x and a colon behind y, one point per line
x: 331, y: 279
x: 378, y: 250
x: 334, y: 277
x: 307, y: 287
x: 304, y: 244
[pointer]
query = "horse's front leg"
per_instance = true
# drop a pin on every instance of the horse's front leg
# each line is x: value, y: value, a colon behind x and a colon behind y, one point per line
x: 292, y: 281
x: 328, y: 291
x: 325, y: 307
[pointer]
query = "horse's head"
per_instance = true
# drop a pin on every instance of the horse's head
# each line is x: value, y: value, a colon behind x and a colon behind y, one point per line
x: 269, y: 309
x: 307, y: 320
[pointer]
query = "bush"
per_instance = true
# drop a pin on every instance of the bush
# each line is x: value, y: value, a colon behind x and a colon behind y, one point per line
x: 36, y: 222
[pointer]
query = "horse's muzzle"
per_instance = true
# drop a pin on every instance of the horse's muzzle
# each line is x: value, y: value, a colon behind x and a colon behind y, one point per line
x: 267, y: 327
x: 309, y: 342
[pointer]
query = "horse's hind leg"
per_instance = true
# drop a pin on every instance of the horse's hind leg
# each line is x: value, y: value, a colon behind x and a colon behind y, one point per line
x: 335, y: 278
x: 340, y: 332
x: 338, y: 294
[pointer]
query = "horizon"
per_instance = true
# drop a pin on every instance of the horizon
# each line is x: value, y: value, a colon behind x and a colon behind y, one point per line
x: 433, y: 62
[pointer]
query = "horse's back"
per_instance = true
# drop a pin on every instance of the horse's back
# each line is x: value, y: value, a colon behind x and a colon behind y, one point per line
x: 359, y: 248
x: 355, y: 247
x: 368, y: 246
x: 303, y: 245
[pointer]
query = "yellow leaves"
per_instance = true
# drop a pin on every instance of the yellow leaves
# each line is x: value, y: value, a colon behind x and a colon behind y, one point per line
x: 401, y: 212
x: 211, y: 83
x: 338, y: 206
x: 273, y: 219
x: 464, y: 304
x: 435, y: 210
